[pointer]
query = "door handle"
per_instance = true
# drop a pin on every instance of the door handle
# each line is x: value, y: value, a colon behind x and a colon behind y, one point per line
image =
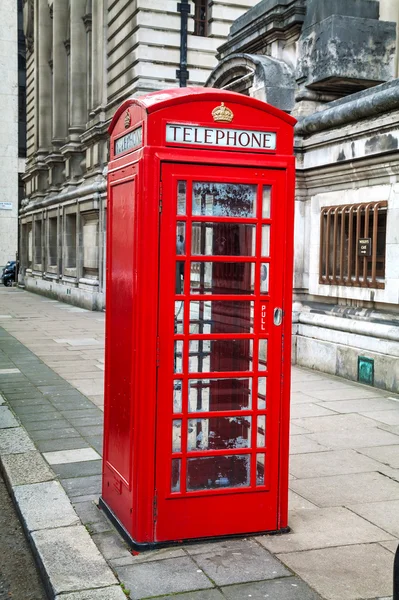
x: 278, y: 316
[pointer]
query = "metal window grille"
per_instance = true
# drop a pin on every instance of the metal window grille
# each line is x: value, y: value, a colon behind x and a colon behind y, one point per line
x: 344, y: 260
x: 201, y: 18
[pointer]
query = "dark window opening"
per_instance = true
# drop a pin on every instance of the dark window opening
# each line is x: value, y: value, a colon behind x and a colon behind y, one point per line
x: 201, y: 17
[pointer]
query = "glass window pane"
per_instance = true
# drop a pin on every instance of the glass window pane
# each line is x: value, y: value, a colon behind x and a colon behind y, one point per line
x: 262, y: 358
x: 262, y: 393
x: 265, y: 240
x: 266, y: 201
x: 264, y: 278
x: 261, y: 432
x: 210, y: 472
x: 180, y: 264
x: 207, y: 356
x: 222, y: 278
x: 224, y: 199
x: 260, y: 469
x: 221, y: 316
x: 180, y: 237
x: 219, y: 394
x: 179, y: 314
x: 176, y: 436
x: 176, y: 469
x: 177, y: 396
x: 178, y: 356
x: 223, y: 239
x: 219, y: 433
x: 181, y: 197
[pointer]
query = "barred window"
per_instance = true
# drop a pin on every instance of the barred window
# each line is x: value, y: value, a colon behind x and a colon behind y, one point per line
x: 352, y: 244
x: 201, y: 17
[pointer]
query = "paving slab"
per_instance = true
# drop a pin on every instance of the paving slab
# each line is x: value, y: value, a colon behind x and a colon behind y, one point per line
x: 111, y: 544
x: 390, y: 417
x: 335, y: 423
x: 383, y: 514
x: 287, y: 588
x: 392, y: 546
x: 79, y: 469
x: 302, y: 444
x: 71, y: 560
x: 387, y: 455
x: 333, y: 462
x: 345, y: 572
x: 357, y: 438
x: 311, y: 529
x: 343, y: 490
x: 44, y: 505
x: 93, y: 517
x: 71, y: 456
x: 297, y: 502
x: 161, y: 554
x: 162, y: 577
x: 361, y: 406
x: 109, y: 593
x: 28, y: 467
x: 201, y: 595
x: 305, y: 409
x: 82, y: 486
x: 7, y: 419
x: 53, y: 434
x: 344, y: 393
x: 242, y: 561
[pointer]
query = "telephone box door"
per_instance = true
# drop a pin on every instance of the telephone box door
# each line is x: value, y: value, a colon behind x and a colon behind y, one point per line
x: 220, y: 351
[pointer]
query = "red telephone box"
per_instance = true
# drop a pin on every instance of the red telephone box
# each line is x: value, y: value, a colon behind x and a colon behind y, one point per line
x: 198, y: 322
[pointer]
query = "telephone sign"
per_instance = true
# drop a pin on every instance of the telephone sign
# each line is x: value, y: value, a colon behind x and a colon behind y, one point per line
x: 198, y: 322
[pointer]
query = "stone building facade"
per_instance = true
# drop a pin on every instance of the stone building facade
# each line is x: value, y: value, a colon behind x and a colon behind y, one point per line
x: 334, y: 65
x: 11, y: 151
x: 83, y: 58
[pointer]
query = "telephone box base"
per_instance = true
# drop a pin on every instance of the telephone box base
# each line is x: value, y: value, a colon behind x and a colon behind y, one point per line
x: 146, y: 546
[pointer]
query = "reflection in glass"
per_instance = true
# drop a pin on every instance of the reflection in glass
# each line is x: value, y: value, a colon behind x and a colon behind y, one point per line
x: 224, y: 199
x: 221, y: 316
x: 207, y: 356
x: 266, y: 201
x: 222, y: 278
x: 210, y: 472
x: 265, y: 240
x: 260, y: 469
x: 180, y: 250
x: 179, y: 314
x: 177, y: 395
x: 262, y: 358
x: 261, y: 432
x: 176, y: 436
x: 219, y: 394
x: 176, y: 468
x: 219, y: 433
x: 181, y: 197
x: 178, y: 356
x: 262, y: 393
x: 264, y: 278
x: 223, y: 239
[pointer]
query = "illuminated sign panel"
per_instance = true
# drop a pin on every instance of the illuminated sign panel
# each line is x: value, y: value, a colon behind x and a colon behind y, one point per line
x: 131, y: 140
x: 224, y: 138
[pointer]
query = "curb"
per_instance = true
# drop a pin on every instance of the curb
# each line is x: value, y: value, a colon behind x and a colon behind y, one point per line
x: 71, y: 566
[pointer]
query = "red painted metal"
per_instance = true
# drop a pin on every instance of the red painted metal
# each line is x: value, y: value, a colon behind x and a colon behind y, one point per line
x: 148, y: 277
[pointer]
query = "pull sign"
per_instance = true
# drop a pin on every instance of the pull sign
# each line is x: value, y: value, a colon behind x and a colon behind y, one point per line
x: 263, y: 318
x: 278, y: 316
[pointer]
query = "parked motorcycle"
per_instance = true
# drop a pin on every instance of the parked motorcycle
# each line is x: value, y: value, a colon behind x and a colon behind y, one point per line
x: 9, y: 274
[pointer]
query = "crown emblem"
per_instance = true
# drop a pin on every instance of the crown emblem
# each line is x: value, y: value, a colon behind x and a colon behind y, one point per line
x: 222, y: 114
x: 128, y: 119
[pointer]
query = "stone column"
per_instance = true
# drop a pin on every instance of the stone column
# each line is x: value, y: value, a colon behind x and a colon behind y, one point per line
x: 44, y: 41
x: 78, y: 67
x: 389, y: 11
x: 98, y: 49
x: 60, y: 73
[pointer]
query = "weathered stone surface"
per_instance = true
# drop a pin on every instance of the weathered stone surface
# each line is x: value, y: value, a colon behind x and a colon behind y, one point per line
x: 28, y: 467
x: 109, y: 593
x: 71, y: 559
x: 14, y: 441
x: 7, y: 419
x: 44, y: 506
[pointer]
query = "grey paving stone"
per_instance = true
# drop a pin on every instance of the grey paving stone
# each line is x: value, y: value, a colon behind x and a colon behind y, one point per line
x: 201, y: 595
x: 87, y: 421
x: 90, y: 430
x: 335, y: 423
x: 162, y: 577
x: 287, y: 588
x: 242, y: 561
x: 14, y: 441
x: 44, y: 506
x: 161, y: 554
x: 52, y: 425
x: 382, y: 514
x: 109, y: 593
x: 93, y: 517
x: 388, y: 455
x: 305, y: 409
x: 111, y: 544
x: 354, y: 438
x: 302, y: 444
x: 42, y: 417
x: 29, y: 467
x: 297, y: 502
x: 392, y: 546
x: 7, y: 419
x: 82, y: 486
x: 33, y: 409
x: 52, y: 433
x: 334, y: 462
x: 69, y: 443
x: 362, y: 405
x: 346, y: 572
x: 96, y: 441
x: 71, y: 560
x: 323, y: 528
x: 79, y: 469
x: 342, y: 490
x: 82, y: 413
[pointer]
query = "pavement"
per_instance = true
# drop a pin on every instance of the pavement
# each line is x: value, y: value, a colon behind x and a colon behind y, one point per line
x: 344, y: 482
